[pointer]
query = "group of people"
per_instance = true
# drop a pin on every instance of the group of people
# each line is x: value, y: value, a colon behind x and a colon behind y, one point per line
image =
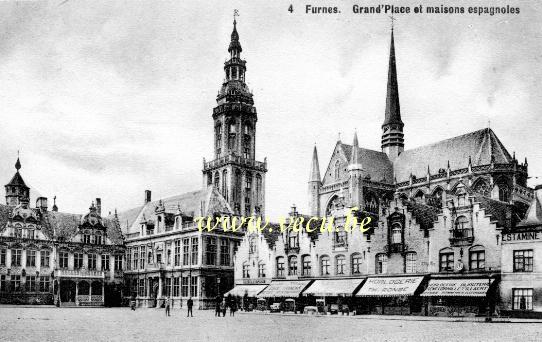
x: 189, y: 305
x: 222, y: 305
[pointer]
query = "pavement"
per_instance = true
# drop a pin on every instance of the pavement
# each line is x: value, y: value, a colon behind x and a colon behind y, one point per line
x: 121, y: 324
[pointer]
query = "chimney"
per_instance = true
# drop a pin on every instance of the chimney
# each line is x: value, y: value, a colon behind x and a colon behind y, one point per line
x: 99, y: 206
x: 147, y: 196
x: 41, y: 203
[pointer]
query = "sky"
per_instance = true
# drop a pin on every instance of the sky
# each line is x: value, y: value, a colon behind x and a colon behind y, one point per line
x: 108, y: 99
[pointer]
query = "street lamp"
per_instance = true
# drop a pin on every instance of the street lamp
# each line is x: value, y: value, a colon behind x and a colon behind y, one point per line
x: 488, y: 316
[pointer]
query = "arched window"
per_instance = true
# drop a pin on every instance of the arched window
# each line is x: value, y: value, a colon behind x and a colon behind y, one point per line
x: 334, y: 204
x: 371, y: 203
x: 480, y: 186
x: 381, y: 264
x: 252, y: 245
x: 280, y: 267
x: 437, y: 197
x: 292, y: 265
x: 225, y: 184
x: 356, y: 263
x: 337, y: 169
x: 306, y: 265
x: 419, y: 197
x: 461, y: 223
x: 324, y: 265
x: 247, y: 143
x: 232, y: 135
x: 246, y: 272
x: 504, y: 193
x: 217, y: 180
x: 218, y: 139
x: 396, y: 233
x: 410, y: 262
x: 340, y: 262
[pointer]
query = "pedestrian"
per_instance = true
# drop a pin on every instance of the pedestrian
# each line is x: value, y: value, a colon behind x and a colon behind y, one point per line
x: 233, y: 307
x: 133, y: 303
x: 223, y: 307
x: 217, y: 306
x: 189, y: 305
x: 167, y: 306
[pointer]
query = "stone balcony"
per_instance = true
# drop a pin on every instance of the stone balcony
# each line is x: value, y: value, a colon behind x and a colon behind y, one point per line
x: 231, y: 158
x: 461, y: 237
x: 80, y: 273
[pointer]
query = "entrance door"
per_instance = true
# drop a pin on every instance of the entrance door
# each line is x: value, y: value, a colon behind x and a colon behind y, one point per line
x: 67, y: 291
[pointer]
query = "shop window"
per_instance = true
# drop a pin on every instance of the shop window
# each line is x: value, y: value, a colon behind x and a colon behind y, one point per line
x: 324, y: 265
x: 340, y: 262
x: 356, y: 263
x: 477, y: 260
x: 280, y: 267
x: 446, y: 261
x: 410, y: 262
x: 292, y: 265
x: 522, y: 299
x: 523, y: 260
x: 306, y: 260
x: 381, y: 265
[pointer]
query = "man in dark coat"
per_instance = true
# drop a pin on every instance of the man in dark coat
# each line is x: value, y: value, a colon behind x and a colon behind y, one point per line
x: 189, y: 305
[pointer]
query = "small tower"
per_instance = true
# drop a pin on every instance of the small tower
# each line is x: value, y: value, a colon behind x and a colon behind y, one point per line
x: 16, y: 190
x: 393, y: 142
x: 355, y: 172
x: 315, y: 183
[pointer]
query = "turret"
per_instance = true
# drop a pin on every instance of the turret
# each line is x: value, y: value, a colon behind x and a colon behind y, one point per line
x: 355, y: 171
x: 16, y: 189
x: 315, y: 183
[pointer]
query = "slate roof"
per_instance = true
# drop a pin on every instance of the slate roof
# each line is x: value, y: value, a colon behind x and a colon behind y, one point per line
x: 374, y: 163
x: 500, y: 212
x: 480, y: 145
x: 17, y: 180
x: 534, y: 214
x: 425, y: 215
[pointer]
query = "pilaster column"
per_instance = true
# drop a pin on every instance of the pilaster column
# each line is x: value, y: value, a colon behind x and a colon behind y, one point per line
x: 76, y: 293
x: 103, y: 292
x: 159, y: 287
x: 90, y: 292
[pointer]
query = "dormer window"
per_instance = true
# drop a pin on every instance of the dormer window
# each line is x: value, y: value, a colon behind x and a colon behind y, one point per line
x: 86, y: 237
x: 98, y: 239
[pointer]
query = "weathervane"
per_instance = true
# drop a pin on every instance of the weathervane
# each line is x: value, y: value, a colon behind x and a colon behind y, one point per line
x: 392, y: 20
x: 235, y: 13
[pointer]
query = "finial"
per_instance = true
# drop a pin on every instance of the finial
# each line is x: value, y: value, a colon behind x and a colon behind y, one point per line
x: 235, y: 14
x: 18, y: 163
x: 392, y: 19
x: 339, y: 136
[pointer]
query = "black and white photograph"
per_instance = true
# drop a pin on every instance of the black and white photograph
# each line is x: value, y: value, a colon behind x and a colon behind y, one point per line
x: 271, y: 170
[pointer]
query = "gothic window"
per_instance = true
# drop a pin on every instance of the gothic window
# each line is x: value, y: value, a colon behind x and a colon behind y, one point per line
x: 504, y: 193
x: 292, y: 265
x: 225, y: 184
x: 217, y: 180
x: 218, y: 139
x: 371, y: 203
x: 356, y: 263
x: 481, y: 187
x: 419, y: 197
x: 248, y: 181
x: 461, y: 223
x: 258, y: 188
x: 410, y: 262
x: 252, y: 245
x: 324, y: 265
x: 436, y: 198
x: 340, y: 263
x: 381, y: 265
x: 396, y: 233
x: 246, y: 142
x: 334, y: 204
x: 232, y: 134
x: 337, y: 170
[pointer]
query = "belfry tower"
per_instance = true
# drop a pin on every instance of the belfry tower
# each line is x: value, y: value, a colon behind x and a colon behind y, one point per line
x: 393, y: 142
x: 234, y: 170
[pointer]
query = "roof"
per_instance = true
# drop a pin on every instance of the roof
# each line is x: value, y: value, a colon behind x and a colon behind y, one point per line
x: 481, y: 146
x: 500, y: 212
x: 375, y: 163
x: 425, y: 215
x: 17, y: 180
x: 393, y: 109
x: 534, y: 214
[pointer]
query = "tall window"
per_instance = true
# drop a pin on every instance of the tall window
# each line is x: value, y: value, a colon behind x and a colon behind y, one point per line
x: 177, y: 251
x: 128, y: 259
x: 293, y: 239
x: 98, y: 239
x: 45, y: 258
x: 337, y: 170
x: 504, y: 193
x: 15, y: 283
x: 381, y: 265
x: 186, y: 252
x: 261, y: 270
x: 477, y: 260
x: 176, y: 284
x: 86, y: 237
x: 3, y: 257
x: 292, y: 265
x: 225, y: 184
x: 135, y: 259
x: 118, y: 262
x: 340, y: 237
x: 340, y: 261
x: 217, y: 180
x: 218, y: 139
x: 522, y: 299
x: 16, y: 257
x: 194, y: 251
x: 30, y: 233
x: 194, y: 286
x: 523, y: 260
x: 30, y: 257
x: 306, y: 266
x: 324, y: 265
x: 78, y: 260
x: 224, y: 252
x: 3, y: 283
x: 446, y: 261
x: 142, y: 257
x: 410, y: 262
x: 231, y: 136
x: 184, y: 287
x: 356, y: 263
x: 396, y: 233
x: 141, y: 287
x: 63, y: 259
x: 210, y: 252
x: 44, y: 284
x: 105, y: 262
x: 246, y: 271
x: 92, y: 261
x: 280, y: 267
x: 31, y: 283
x: 167, y: 289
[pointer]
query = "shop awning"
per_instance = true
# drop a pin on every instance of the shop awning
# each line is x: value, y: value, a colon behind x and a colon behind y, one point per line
x: 457, y: 288
x: 333, y: 287
x: 249, y: 290
x: 390, y: 287
x: 285, y: 288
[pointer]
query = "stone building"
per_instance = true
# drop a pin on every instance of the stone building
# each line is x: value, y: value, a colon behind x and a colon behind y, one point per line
x: 47, y: 256
x: 166, y: 253
x: 437, y: 213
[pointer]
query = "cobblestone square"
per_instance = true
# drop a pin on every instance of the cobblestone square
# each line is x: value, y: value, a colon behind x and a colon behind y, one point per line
x: 121, y: 324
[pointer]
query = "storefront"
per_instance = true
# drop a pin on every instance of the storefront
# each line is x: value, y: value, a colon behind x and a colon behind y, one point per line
x: 391, y: 295
x: 459, y: 297
x: 286, y: 292
x: 245, y: 295
x: 333, y: 295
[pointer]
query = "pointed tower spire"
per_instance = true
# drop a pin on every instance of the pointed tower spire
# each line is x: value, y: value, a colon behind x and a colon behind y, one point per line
x: 355, y: 159
x: 392, y: 128
x: 315, y: 167
x: 18, y: 163
x: 355, y: 170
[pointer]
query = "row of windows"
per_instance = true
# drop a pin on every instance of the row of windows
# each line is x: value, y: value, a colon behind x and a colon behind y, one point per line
x: 183, y: 286
x: 31, y: 283
x: 31, y: 255
x: 477, y: 261
x: 381, y: 265
x: 185, y: 253
x: 78, y: 258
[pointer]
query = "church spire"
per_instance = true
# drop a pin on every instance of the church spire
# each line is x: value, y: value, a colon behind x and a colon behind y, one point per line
x: 315, y: 167
x: 355, y: 160
x: 392, y: 128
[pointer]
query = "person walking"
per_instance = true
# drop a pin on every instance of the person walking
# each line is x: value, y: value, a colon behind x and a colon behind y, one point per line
x: 167, y: 306
x: 217, y: 306
x: 223, y: 307
x: 189, y: 305
x: 233, y: 307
